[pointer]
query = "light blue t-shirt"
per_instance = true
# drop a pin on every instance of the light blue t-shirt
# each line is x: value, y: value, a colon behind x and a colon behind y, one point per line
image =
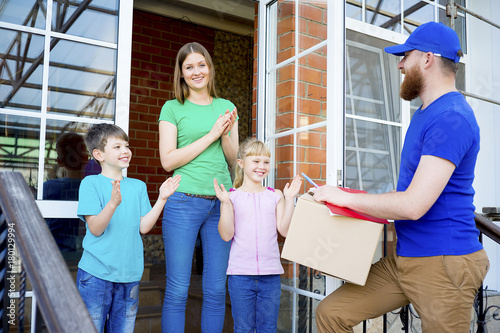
x: 116, y: 255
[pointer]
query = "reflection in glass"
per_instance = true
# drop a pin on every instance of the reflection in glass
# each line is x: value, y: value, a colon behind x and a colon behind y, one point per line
x: 285, y: 97
x: 312, y: 88
x: 312, y: 27
x: 82, y: 80
x: 459, y: 27
x: 19, y: 146
x: 385, y: 14
x: 29, y: 13
x: 95, y: 20
x: 282, y: 30
x: 373, y: 145
x: 66, y: 159
x: 21, y: 67
x: 388, y: 14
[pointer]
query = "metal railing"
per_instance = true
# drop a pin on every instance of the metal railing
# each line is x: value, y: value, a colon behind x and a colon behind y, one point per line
x: 23, y: 230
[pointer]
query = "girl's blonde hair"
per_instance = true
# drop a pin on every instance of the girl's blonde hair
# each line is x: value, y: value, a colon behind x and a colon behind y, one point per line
x: 249, y: 147
x: 181, y: 89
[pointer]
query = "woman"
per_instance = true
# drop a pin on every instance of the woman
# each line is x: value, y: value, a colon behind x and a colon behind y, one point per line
x: 198, y: 140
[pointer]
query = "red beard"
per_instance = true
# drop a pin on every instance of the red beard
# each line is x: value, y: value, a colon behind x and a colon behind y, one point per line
x: 412, y: 84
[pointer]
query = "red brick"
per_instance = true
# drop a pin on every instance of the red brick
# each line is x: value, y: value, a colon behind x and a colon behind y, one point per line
x: 309, y: 106
x: 317, y: 30
x: 310, y: 12
x: 309, y: 75
x: 286, y: 8
x: 285, y: 26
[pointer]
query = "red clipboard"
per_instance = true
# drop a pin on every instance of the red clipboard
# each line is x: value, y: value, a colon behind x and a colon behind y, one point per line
x: 336, y: 210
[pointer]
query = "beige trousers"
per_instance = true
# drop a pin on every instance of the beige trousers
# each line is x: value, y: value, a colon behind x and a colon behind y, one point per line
x: 441, y: 288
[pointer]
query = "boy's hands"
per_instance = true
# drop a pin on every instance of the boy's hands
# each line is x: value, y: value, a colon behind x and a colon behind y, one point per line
x: 116, y: 195
x: 221, y: 192
x: 291, y: 191
x: 169, y: 186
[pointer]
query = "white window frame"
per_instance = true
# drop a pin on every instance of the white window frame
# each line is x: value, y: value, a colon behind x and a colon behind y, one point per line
x: 67, y: 209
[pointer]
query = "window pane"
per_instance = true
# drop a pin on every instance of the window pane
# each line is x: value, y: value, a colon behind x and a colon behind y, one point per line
x: 353, y: 9
x: 97, y: 20
x: 416, y: 13
x: 21, y: 70
x: 68, y: 235
x: 282, y: 31
x: 459, y: 27
x: 19, y: 146
x: 66, y: 160
x: 285, y: 97
x: 82, y: 80
x: 312, y: 23
x: 385, y: 14
x: 311, y: 155
x: 24, y: 12
x: 311, y: 93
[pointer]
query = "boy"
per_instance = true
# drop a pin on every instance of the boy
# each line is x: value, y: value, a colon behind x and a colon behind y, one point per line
x: 116, y: 210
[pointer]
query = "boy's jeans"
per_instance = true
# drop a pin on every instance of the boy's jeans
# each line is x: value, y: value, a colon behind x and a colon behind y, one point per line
x: 255, y: 302
x: 118, y: 300
x: 185, y: 216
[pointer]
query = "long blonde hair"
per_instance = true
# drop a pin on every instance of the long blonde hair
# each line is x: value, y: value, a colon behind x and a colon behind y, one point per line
x: 249, y: 147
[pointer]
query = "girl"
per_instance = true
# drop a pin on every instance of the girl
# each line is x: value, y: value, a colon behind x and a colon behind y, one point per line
x: 251, y: 215
x: 198, y: 138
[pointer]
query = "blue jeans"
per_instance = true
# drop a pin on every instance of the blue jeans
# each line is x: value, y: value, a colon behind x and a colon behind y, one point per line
x: 119, y: 301
x: 255, y: 302
x: 185, y: 216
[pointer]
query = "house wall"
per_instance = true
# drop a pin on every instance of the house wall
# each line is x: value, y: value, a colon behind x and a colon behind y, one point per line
x: 484, y: 80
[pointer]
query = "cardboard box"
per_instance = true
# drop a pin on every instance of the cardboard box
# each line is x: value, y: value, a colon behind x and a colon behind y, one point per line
x: 337, y: 245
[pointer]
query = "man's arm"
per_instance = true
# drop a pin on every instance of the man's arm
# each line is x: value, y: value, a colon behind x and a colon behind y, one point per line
x: 431, y: 177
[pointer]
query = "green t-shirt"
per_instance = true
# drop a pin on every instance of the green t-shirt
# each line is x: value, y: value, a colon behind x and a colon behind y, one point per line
x: 193, y: 121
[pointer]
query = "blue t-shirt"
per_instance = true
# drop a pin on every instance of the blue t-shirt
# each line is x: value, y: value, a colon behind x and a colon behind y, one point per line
x: 447, y: 128
x: 116, y: 255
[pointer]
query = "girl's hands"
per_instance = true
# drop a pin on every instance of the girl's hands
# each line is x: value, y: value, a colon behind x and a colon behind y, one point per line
x: 291, y: 191
x: 221, y: 192
x: 233, y: 115
x: 169, y: 186
x: 116, y: 195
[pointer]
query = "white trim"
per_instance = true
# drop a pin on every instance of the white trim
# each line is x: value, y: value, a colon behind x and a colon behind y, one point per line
x: 123, y: 65
x: 336, y: 49
x: 82, y: 40
x: 41, y: 32
x: 44, y: 102
x: 57, y: 209
x: 261, y: 70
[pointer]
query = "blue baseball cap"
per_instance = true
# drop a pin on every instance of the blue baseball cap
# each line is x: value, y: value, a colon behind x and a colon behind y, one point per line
x: 430, y: 37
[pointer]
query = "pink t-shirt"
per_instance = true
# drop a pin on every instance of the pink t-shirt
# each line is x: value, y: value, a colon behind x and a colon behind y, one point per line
x: 254, y: 248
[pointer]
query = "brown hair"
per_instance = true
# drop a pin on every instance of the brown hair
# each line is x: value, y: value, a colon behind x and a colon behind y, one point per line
x: 449, y: 66
x: 98, y: 135
x: 249, y: 147
x: 181, y: 88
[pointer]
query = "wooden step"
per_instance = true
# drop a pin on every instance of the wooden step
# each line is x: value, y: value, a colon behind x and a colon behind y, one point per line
x: 148, y: 319
x: 150, y: 293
